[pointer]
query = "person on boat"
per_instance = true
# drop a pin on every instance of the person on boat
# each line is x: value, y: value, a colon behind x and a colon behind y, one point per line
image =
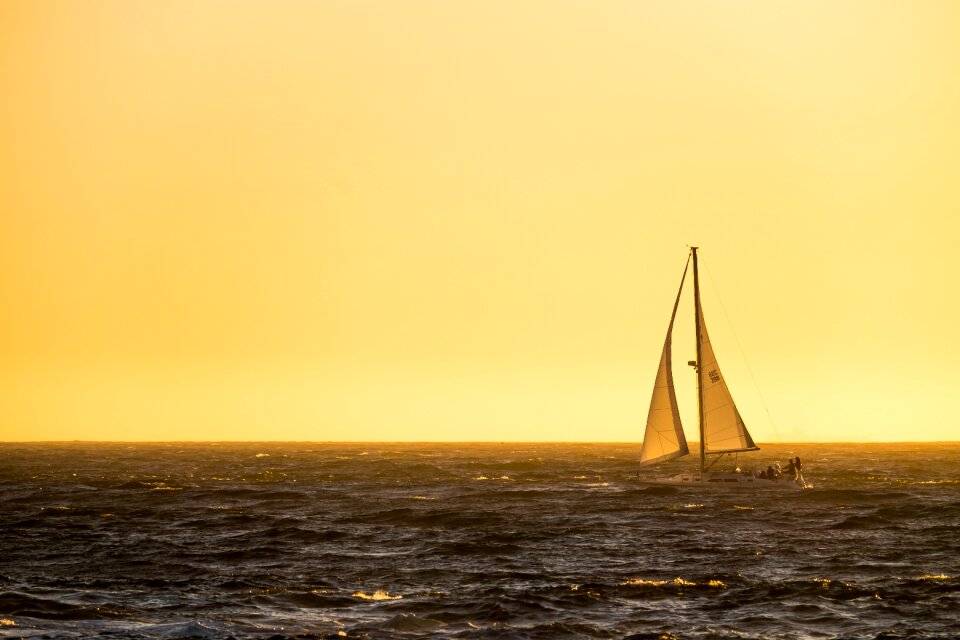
x: 771, y: 474
x: 792, y: 470
x: 799, y: 467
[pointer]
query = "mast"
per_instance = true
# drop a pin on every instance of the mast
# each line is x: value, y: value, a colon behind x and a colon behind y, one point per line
x: 696, y: 311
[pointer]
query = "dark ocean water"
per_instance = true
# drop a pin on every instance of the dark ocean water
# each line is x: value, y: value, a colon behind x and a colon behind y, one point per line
x: 471, y: 541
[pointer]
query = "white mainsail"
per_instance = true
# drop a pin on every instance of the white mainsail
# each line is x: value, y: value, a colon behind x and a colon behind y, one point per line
x: 723, y: 428
x: 664, y: 438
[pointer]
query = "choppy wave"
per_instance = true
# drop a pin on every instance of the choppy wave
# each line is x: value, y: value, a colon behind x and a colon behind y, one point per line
x: 402, y: 541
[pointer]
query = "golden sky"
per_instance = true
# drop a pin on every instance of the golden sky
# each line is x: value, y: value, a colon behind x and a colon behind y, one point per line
x: 380, y: 220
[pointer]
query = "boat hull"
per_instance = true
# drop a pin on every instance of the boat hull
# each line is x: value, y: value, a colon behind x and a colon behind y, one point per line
x: 728, y: 479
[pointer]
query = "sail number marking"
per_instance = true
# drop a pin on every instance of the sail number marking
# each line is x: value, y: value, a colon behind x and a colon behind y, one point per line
x: 714, y: 376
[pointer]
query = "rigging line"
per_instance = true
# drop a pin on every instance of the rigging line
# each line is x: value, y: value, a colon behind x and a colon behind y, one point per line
x: 743, y: 354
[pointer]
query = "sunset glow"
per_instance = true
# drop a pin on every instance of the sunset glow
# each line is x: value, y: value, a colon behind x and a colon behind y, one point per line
x: 448, y: 221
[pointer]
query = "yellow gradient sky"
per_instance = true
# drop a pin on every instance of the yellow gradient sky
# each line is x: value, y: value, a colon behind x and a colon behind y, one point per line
x: 380, y: 220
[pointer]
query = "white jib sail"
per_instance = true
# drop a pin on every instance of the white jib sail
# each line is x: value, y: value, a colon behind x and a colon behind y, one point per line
x: 664, y: 438
x: 723, y: 428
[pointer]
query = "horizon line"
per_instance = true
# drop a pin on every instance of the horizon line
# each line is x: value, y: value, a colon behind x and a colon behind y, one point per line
x: 434, y: 442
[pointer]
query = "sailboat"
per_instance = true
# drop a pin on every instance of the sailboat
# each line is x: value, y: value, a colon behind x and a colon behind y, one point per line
x: 722, y: 431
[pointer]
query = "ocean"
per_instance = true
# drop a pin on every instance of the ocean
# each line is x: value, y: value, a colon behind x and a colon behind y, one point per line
x: 307, y: 540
